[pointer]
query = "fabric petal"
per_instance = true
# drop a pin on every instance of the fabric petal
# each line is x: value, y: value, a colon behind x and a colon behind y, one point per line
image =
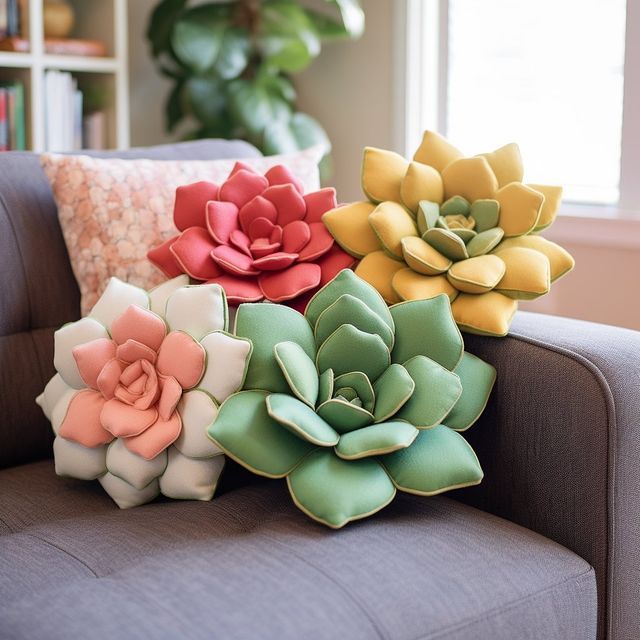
x: 378, y: 269
x: 485, y: 314
x: 266, y: 325
x: 91, y: 357
x: 72, y: 460
x: 53, y: 392
x: 258, y: 207
x: 471, y: 178
x: 275, y: 261
x: 192, y: 251
x: 290, y: 283
x: 527, y: 274
x: 221, y: 220
x: 350, y: 227
x: 82, y: 423
x: 520, y: 208
x: 125, y: 495
x: 245, y: 431
x: 169, y: 396
x: 66, y: 339
x: 436, y: 392
x: 436, y: 151
x: 295, y: 236
x: 233, y: 261
x: 154, y: 440
x: 240, y: 241
x: 382, y: 174
x: 242, y: 187
x: 376, y: 439
x: 335, y: 492
x: 427, y: 328
x: 133, y: 350
x: 238, y: 289
x: 115, y: 300
x: 320, y: 241
x: 439, y: 460
x: 189, y: 479
x: 478, y: 378
x: 124, y: 421
x: 506, y: 164
x: 260, y: 228
x: 288, y: 202
x: 140, y: 325
x: 301, y: 420
x: 197, y: 310
x: 282, y: 175
x: 159, y: 295
x: 132, y: 468
x: 183, y: 358
x: 318, y: 203
x: 392, y: 222
x: 191, y: 204
x: 227, y: 361
x: 109, y: 378
x: 163, y: 258
x: 197, y: 411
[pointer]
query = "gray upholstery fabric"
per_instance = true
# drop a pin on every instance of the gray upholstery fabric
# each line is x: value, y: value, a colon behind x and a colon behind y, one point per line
x: 249, y: 565
x: 38, y: 292
x: 560, y: 445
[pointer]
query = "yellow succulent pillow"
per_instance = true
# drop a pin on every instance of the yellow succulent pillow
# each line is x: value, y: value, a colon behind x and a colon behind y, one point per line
x: 445, y: 223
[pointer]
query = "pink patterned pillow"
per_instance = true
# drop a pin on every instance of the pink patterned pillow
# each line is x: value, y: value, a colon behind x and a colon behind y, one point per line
x: 113, y: 211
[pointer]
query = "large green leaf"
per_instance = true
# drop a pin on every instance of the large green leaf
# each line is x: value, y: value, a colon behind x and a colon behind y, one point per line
x: 161, y: 24
x: 301, y: 131
x: 256, y: 104
x: 234, y: 52
x: 350, y: 25
x: 352, y: 16
x: 206, y: 98
x: 288, y: 39
x: 175, y: 106
x: 198, y: 35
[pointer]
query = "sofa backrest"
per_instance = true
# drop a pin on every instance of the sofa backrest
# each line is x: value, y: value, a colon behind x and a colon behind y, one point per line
x: 38, y: 292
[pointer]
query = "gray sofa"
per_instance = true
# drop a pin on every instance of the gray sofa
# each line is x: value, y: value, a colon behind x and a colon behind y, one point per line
x: 547, y: 547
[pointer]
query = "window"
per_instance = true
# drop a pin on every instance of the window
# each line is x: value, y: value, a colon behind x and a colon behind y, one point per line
x: 548, y: 74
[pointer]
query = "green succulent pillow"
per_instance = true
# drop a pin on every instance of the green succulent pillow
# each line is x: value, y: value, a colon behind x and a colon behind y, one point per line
x: 354, y: 400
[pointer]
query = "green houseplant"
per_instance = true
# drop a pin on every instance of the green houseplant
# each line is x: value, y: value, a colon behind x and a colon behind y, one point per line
x: 231, y: 64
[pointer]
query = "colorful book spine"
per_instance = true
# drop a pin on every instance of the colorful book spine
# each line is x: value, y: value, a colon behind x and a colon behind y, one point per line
x: 4, y: 128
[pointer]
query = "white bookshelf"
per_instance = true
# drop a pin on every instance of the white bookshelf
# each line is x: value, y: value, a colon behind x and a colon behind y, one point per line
x: 104, y: 20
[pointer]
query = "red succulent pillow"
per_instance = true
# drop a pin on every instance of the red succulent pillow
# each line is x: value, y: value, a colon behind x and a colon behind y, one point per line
x: 259, y: 236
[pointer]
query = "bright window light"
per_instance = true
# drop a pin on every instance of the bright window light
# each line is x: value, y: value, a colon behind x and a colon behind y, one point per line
x: 546, y: 74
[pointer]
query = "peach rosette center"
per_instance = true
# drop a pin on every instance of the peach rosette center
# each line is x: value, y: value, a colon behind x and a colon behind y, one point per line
x: 137, y: 383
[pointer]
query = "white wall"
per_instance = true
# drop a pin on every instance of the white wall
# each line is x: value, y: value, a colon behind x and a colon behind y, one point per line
x: 148, y: 89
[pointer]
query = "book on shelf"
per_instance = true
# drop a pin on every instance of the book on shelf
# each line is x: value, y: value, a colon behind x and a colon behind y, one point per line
x: 10, y: 18
x: 58, y: 46
x: 67, y: 128
x: 12, y: 117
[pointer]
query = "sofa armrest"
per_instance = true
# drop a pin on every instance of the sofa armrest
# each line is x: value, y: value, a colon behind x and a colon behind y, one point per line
x: 560, y: 446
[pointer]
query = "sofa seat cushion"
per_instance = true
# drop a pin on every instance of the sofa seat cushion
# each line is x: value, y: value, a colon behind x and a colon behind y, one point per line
x: 249, y: 565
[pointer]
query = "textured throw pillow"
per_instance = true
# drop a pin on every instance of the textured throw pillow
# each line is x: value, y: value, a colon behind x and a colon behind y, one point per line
x: 113, y: 211
x: 354, y: 400
x: 138, y: 381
